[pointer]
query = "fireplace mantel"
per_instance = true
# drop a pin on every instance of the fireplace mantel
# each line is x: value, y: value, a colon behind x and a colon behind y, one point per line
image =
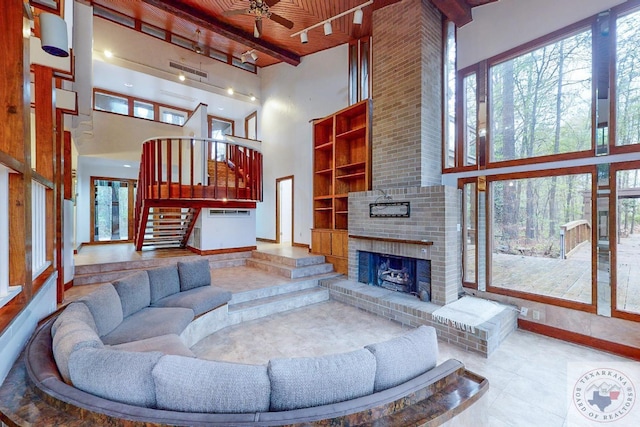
x: 389, y: 240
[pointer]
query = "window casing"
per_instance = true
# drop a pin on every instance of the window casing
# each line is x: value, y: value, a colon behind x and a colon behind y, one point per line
x: 140, y: 108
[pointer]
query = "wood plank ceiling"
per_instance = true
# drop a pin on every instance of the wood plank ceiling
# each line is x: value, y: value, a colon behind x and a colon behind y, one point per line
x: 234, y: 34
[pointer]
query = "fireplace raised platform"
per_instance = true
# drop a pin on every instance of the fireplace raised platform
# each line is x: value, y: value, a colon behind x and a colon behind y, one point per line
x: 409, y: 310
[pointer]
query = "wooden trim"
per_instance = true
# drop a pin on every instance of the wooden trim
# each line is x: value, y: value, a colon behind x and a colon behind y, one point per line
x: 246, y: 124
x: 384, y: 239
x: 221, y: 251
x: 68, y: 285
x: 379, y: 4
x: 131, y: 99
x: 301, y: 245
x: 220, y: 119
x: 544, y: 299
x: 278, y: 180
x: 11, y: 162
x: 262, y: 239
x: 577, y: 338
x: 92, y: 200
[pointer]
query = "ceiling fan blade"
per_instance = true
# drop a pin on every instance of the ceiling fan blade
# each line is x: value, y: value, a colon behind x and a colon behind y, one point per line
x: 257, y: 29
x: 235, y: 12
x: 271, y: 3
x: 281, y: 20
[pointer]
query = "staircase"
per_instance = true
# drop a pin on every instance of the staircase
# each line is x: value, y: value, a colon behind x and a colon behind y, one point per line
x: 302, y: 290
x: 169, y: 227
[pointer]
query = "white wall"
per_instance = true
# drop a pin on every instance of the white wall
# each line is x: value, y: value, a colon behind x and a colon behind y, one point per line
x: 197, y: 127
x: 88, y: 167
x: 222, y: 232
x: 292, y: 96
x: 14, y: 338
x: 503, y: 25
x: 121, y: 137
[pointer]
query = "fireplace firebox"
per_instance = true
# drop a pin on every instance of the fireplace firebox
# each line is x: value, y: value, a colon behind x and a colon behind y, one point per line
x: 396, y: 273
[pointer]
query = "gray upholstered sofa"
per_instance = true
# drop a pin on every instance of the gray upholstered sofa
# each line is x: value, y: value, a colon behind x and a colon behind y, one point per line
x: 121, y: 344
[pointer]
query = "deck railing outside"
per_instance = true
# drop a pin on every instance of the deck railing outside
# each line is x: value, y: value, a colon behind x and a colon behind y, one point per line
x: 572, y: 235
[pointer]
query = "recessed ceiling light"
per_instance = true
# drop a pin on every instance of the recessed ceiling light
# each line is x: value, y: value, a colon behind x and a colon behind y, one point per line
x: 108, y: 53
x: 230, y: 91
x: 127, y: 166
x: 128, y: 85
x: 182, y: 77
x: 220, y: 108
x: 253, y: 97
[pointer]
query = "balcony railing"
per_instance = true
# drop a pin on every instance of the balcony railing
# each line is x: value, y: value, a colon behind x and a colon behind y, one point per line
x: 572, y: 235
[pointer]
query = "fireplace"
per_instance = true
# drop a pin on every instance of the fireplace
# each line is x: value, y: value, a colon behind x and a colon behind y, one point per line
x: 396, y: 273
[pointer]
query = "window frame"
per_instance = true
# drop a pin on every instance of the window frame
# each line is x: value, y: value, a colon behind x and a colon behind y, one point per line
x: 157, y: 107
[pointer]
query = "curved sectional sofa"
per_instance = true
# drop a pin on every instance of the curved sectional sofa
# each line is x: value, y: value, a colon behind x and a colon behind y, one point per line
x: 118, y: 352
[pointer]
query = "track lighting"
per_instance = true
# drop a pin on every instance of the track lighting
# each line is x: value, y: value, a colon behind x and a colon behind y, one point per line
x: 250, y: 53
x: 327, y: 28
x: 243, y: 58
x: 254, y: 55
x: 357, y: 17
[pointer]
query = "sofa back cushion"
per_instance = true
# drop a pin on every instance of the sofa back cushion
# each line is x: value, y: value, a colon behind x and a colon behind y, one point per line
x: 74, y: 311
x: 194, y: 274
x: 134, y: 292
x: 193, y: 385
x: 106, y: 308
x: 314, y: 381
x: 163, y: 281
x: 70, y: 336
x: 121, y: 376
x: 403, y: 358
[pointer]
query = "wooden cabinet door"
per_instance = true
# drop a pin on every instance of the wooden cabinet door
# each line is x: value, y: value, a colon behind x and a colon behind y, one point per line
x: 339, y: 244
x: 321, y: 242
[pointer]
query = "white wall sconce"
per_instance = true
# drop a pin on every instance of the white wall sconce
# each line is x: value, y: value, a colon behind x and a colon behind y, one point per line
x: 53, y: 32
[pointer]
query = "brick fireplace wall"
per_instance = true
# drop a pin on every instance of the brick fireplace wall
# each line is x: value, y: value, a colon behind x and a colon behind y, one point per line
x: 434, y: 218
x: 406, y: 148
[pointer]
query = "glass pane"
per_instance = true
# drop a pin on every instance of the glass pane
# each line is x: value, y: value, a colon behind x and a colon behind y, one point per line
x: 153, y: 31
x: 469, y: 236
x: 180, y: 41
x: 471, y: 119
x: 111, y: 103
x: 364, y: 70
x: 628, y: 237
x: 173, y: 117
x: 114, y: 16
x: 220, y: 56
x: 450, y: 70
x: 144, y: 110
x: 111, y: 210
x: 541, y: 101
x: 628, y: 79
x: 541, y: 236
x: 353, y: 73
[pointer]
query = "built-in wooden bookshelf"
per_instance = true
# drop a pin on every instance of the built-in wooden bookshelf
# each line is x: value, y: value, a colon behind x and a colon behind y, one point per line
x: 341, y: 164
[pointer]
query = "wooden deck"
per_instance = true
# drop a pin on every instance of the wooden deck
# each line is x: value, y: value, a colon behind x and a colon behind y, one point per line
x: 570, y: 278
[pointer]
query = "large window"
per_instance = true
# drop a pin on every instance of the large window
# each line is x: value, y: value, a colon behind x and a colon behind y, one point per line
x: 126, y: 105
x: 541, y: 100
x: 628, y: 80
x: 541, y: 236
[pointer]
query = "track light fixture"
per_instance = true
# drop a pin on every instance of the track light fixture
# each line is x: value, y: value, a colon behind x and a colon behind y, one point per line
x: 357, y: 19
x: 254, y: 55
x: 250, y: 53
x: 196, y: 46
x: 327, y: 28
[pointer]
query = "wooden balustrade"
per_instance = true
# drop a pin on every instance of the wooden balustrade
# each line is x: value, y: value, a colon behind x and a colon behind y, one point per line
x: 572, y: 235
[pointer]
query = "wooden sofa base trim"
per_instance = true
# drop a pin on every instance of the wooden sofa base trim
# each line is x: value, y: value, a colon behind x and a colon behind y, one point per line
x: 442, y: 393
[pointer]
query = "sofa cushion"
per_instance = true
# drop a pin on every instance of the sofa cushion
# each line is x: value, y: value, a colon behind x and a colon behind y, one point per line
x: 75, y: 311
x: 70, y: 336
x: 194, y: 274
x: 165, y: 344
x: 150, y: 322
x: 200, y: 300
x: 104, y: 304
x: 134, y: 292
x: 163, y: 281
x: 314, y: 381
x: 419, y: 347
x: 193, y: 385
x: 122, y: 376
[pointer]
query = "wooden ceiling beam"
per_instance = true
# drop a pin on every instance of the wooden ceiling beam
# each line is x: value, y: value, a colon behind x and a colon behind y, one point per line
x: 213, y: 24
x: 458, y: 11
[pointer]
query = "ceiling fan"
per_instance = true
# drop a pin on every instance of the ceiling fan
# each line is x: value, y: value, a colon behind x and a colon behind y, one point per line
x: 260, y: 9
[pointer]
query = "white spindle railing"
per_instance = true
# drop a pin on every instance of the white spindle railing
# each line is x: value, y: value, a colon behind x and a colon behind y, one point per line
x: 38, y: 228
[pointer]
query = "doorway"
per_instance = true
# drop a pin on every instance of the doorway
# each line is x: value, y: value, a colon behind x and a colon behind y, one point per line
x: 284, y: 210
x: 112, y: 209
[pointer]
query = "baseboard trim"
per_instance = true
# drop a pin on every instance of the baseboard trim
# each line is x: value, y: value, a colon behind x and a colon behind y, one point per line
x: 576, y: 338
x: 262, y: 239
x: 221, y: 251
x: 68, y: 285
x: 301, y: 245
